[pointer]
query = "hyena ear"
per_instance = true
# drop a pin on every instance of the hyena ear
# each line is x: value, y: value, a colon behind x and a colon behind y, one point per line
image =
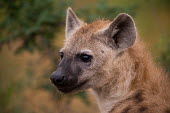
x: 72, y: 22
x: 121, y: 32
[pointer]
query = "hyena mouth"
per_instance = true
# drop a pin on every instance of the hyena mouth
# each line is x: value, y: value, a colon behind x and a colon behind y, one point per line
x: 71, y: 88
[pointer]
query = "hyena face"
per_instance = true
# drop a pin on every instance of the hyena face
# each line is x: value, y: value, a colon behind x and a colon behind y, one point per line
x: 90, y: 50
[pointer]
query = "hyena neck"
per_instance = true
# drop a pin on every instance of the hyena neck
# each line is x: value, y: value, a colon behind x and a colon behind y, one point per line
x: 113, y: 92
x: 131, y: 75
x: 119, y: 87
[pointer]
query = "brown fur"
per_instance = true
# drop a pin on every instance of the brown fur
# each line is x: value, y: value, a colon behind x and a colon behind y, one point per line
x: 123, y: 81
x: 150, y: 84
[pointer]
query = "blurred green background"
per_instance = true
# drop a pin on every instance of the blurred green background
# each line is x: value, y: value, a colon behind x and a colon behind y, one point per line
x: 32, y: 32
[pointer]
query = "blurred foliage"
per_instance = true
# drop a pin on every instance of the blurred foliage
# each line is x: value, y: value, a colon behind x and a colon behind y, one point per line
x: 162, y: 3
x: 106, y: 11
x: 164, y: 57
x: 32, y: 21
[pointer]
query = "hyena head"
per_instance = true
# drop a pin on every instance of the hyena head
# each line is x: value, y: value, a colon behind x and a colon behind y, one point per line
x: 90, y: 50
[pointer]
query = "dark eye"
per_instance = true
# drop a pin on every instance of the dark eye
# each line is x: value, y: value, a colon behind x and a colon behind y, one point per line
x: 61, y: 55
x: 85, y: 58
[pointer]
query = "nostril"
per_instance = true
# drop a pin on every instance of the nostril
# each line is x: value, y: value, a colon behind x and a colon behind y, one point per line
x: 59, y: 79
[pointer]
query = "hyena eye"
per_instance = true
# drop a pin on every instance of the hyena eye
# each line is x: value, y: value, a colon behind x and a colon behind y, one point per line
x: 85, y: 58
x: 61, y: 55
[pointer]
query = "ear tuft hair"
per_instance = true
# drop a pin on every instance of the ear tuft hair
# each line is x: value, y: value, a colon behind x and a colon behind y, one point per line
x: 122, y: 30
x: 72, y: 22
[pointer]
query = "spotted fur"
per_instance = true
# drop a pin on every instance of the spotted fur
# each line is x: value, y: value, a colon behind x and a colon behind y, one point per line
x: 121, y: 74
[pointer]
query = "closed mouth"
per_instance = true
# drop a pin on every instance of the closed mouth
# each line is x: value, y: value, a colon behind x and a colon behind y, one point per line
x: 69, y: 89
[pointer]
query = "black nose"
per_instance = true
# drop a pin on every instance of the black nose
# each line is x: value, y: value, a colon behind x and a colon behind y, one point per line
x: 57, y: 77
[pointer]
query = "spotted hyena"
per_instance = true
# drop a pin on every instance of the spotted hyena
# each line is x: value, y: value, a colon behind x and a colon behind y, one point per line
x: 108, y: 58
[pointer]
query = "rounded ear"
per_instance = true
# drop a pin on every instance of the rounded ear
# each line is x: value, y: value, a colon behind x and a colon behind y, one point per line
x: 121, y: 31
x: 72, y: 22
